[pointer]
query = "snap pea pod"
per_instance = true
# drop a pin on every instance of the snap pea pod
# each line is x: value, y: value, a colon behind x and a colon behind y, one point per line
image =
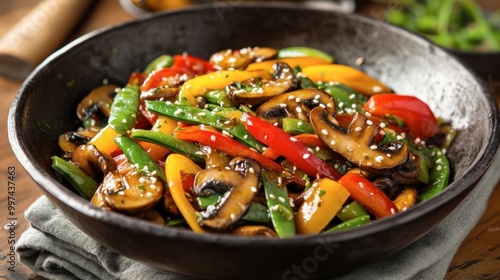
x: 300, y: 51
x: 196, y: 115
x: 345, y: 97
x: 279, y: 206
x: 256, y: 212
x: 438, y: 177
x: 296, y: 126
x: 218, y: 97
x: 85, y: 185
x: 351, y: 211
x: 163, y: 61
x: 170, y: 142
x: 124, y: 109
x: 350, y: 224
x: 136, y: 155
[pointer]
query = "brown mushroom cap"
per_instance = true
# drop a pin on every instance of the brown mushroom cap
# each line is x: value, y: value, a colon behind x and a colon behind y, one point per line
x: 237, y: 200
x: 98, y: 99
x: 355, y: 144
x: 295, y: 104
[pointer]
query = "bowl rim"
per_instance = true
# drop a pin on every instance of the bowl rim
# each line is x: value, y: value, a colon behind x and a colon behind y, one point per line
x: 50, y: 185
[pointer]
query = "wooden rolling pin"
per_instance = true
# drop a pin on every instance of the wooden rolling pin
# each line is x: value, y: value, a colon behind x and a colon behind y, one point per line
x: 38, y: 34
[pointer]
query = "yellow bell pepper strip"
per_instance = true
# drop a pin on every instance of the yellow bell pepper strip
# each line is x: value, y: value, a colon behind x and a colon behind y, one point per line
x: 207, y: 136
x: 321, y: 203
x: 347, y: 75
x: 366, y: 193
x: 406, y: 199
x: 278, y: 204
x: 415, y: 113
x: 438, y: 177
x: 288, y: 146
x: 197, y: 86
x: 175, y: 165
x: 124, y: 109
x: 104, y: 140
x: 168, y: 141
x: 350, y: 224
x: 293, y: 62
x: 194, y: 115
x: 137, y: 156
x: 351, y: 211
x: 85, y: 185
x: 300, y: 51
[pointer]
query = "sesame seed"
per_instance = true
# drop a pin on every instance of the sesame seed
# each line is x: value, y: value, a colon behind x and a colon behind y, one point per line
x: 253, y: 189
x: 233, y: 216
x: 368, y: 122
x: 275, y: 207
x: 298, y: 109
x: 373, y: 147
x: 439, y: 167
x: 124, y: 121
x: 392, y: 148
x: 357, y: 128
x: 379, y: 159
x: 202, y: 114
x: 306, y: 156
x: 121, y: 193
x: 377, y: 89
x: 291, y: 202
x: 272, y: 196
x: 283, y: 105
x: 251, y: 170
x: 148, y: 194
x: 153, y: 187
x: 282, y: 199
x: 293, y: 139
x: 213, y: 138
x: 324, y: 131
x: 383, y: 125
x: 332, y: 143
x: 299, y: 123
x: 393, y: 211
x: 352, y: 96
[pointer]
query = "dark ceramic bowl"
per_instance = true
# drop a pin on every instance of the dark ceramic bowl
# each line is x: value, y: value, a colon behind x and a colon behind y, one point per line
x: 45, y: 107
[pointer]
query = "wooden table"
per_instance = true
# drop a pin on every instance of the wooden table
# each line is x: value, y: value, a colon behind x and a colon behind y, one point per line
x: 478, y: 256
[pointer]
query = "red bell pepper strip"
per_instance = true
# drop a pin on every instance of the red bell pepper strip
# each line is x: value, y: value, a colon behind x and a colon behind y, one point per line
x: 160, y: 77
x: 289, y: 147
x: 192, y: 64
x: 309, y: 140
x: 417, y: 115
x: 366, y: 193
x: 226, y: 144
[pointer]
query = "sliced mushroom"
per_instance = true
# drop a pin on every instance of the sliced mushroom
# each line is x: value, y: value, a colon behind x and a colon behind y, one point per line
x: 239, y: 59
x: 169, y: 204
x: 216, y: 180
x: 254, y: 231
x: 91, y: 161
x: 388, y: 186
x: 132, y: 193
x: 235, y: 201
x: 163, y: 93
x: 256, y: 91
x: 98, y: 100
x: 295, y: 104
x: 69, y: 141
x: 355, y: 142
x: 152, y: 216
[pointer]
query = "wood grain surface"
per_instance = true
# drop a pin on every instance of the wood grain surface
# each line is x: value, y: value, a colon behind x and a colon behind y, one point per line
x: 477, y: 258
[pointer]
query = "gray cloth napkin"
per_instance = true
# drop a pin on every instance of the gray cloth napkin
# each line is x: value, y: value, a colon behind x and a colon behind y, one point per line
x: 56, y: 249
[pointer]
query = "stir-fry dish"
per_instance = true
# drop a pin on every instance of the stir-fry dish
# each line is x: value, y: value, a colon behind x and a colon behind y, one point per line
x: 255, y: 142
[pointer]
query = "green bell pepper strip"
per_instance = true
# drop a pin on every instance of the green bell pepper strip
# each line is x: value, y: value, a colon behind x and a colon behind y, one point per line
x: 176, y: 223
x: 163, y: 61
x: 296, y: 126
x: 351, y: 211
x: 85, y: 185
x: 299, y: 51
x: 438, y: 177
x: 350, y: 224
x: 256, y: 212
x: 279, y: 206
x: 345, y: 97
x: 169, y: 142
x: 136, y: 155
x: 196, y: 115
x: 124, y: 109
